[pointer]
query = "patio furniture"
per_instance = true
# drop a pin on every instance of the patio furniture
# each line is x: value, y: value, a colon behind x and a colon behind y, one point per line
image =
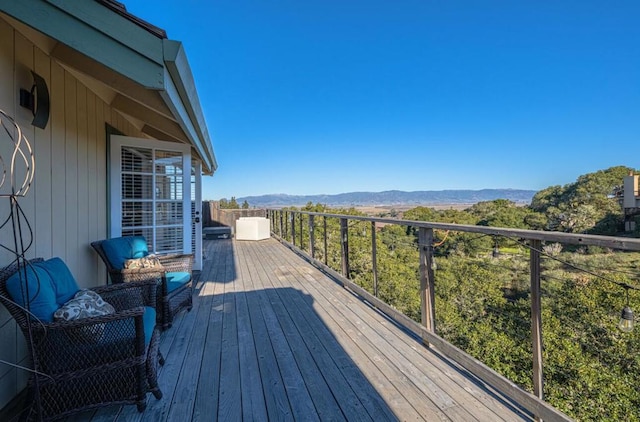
x: 253, y: 228
x: 174, y: 275
x: 88, y: 362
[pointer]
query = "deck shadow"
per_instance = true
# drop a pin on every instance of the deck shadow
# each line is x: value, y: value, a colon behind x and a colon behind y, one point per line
x: 270, y: 338
x: 257, y: 350
x: 278, y: 360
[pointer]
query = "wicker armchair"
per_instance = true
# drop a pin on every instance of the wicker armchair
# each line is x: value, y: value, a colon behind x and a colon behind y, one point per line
x: 174, y: 277
x: 91, y: 362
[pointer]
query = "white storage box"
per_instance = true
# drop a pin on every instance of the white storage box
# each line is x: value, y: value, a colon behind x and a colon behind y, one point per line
x: 253, y: 228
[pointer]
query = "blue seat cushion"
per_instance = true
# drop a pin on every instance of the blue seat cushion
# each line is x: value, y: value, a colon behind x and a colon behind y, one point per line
x: 119, y: 249
x: 118, y: 331
x: 149, y: 322
x: 175, y: 280
x: 50, y: 285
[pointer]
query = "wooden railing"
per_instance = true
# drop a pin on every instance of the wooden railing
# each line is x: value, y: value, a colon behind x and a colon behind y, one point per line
x: 214, y: 216
x: 288, y: 226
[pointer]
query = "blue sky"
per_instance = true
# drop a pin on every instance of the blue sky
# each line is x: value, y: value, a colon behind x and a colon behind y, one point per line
x: 331, y: 96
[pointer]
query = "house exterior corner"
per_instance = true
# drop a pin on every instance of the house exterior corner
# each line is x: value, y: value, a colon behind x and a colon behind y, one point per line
x: 68, y: 204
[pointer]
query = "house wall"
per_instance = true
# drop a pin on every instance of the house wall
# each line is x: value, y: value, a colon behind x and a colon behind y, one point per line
x: 67, y: 204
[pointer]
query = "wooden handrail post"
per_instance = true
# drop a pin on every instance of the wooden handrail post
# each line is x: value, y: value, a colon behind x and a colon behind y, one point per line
x: 301, y: 232
x: 293, y: 227
x: 274, y: 223
x: 374, y: 258
x: 280, y: 215
x: 286, y: 224
x: 536, y: 318
x: 324, y: 221
x: 427, y: 288
x: 312, y: 238
x: 344, y: 243
x: 267, y: 215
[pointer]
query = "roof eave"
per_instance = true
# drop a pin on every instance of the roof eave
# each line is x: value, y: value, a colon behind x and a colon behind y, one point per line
x: 105, y: 38
x: 181, y: 92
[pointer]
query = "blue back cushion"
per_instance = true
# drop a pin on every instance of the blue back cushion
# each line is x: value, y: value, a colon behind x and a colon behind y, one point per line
x: 119, y: 249
x: 62, y: 279
x: 50, y: 285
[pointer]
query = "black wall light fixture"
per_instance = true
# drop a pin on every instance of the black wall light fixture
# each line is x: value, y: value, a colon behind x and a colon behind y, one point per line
x: 37, y: 100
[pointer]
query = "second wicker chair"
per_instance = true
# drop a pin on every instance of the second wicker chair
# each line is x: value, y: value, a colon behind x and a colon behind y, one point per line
x: 174, y: 276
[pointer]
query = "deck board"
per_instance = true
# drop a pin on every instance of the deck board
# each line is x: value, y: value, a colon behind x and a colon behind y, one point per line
x: 298, y: 396
x: 208, y: 387
x: 375, y: 352
x: 252, y: 394
x: 421, y: 378
x: 230, y: 405
x: 352, y: 387
x: 270, y: 337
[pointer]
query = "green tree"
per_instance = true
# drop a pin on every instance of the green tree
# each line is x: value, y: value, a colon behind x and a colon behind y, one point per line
x: 422, y: 214
x: 230, y: 204
x: 398, y: 278
x: 585, y: 205
x: 245, y: 205
x: 318, y: 207
x: 501, y: 213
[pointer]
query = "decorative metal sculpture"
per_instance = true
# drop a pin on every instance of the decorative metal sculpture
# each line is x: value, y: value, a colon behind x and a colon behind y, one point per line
x: 16, y: 177
x: 15, y: 184
x: 20, y: 179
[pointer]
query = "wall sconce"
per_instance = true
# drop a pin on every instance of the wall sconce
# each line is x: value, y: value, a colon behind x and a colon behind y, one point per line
x: 37, y: 100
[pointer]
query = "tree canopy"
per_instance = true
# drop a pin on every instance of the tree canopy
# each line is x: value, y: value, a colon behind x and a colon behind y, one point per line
x: 230, y: 204
x: 586, y: 205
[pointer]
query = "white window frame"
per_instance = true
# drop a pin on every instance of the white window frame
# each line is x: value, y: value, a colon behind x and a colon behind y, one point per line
x: 197, y: 261
x: 115, y: 181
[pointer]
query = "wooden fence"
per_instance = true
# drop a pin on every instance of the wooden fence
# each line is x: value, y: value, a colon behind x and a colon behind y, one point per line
x: 214, y: 216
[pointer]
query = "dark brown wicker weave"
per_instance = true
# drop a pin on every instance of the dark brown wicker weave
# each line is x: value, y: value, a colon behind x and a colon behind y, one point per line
x: 76, y: 372
x: 169, y: 303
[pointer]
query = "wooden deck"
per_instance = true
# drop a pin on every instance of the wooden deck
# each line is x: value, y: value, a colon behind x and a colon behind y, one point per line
x: 270, y: 337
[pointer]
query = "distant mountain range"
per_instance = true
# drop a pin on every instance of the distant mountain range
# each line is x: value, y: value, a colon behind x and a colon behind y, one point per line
x: 392, y: 197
